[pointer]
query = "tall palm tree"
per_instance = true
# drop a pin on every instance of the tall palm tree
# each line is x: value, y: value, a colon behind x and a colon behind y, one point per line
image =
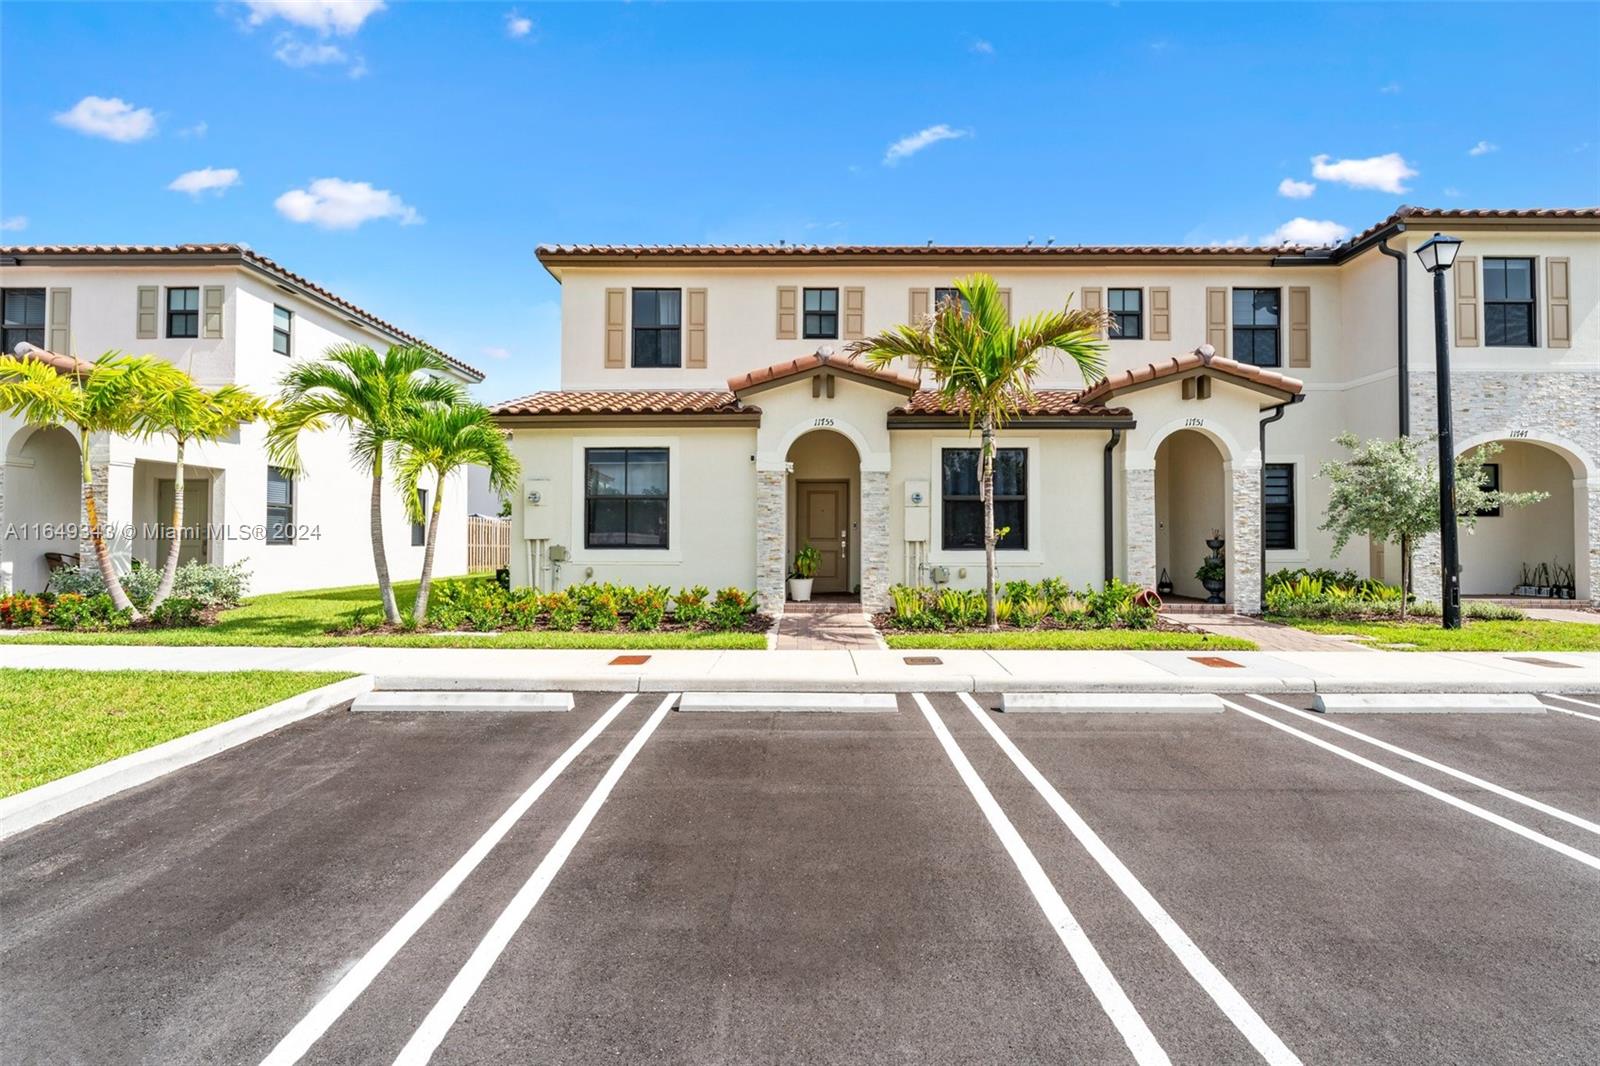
x: 984, y: 364
x: 439, y: 441
x: 370, y: 396
x: 190, y: 413
x: 109, y: 395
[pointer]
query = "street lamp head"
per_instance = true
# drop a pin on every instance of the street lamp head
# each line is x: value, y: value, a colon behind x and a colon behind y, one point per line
x: 1439, y: 253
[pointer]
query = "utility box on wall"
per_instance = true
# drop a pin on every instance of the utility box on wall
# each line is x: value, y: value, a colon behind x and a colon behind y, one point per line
x: 917, y: 510
x: 538, y: 516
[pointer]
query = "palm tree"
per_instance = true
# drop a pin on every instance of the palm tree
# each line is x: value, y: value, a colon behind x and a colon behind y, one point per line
x: 190, y: 413
x: 370, y: 396
x: 985, y: 365
x: 109, y: 395
x: 438, y: 441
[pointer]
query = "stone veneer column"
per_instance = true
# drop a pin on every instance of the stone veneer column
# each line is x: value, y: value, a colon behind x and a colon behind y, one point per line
x: 874, y: 541
x: 771, y: 538
x: 1427, y: 570
x: 1140, y: 502
x: 112, y: 483
x: 7, y: 563
x: 1244, y: 551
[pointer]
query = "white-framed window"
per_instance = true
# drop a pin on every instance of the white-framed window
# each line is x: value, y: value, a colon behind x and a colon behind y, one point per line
x: 623, y: 488
x: 282, y: 330
x: 1019, y: 496
x: 821, y: 313
x: 183, y: 312
x: 280, y: 506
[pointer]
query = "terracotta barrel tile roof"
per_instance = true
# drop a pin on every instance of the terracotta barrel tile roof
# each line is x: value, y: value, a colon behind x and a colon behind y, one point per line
x: 1200, y: 358
x: 845, y: 364
x: 1055, y: 403
x: 626, y: 402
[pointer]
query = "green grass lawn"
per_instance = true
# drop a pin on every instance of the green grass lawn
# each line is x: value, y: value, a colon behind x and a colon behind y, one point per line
x: 1472, y: 636
x: 1070, y: 640
x: 57, y: 722
x: 301, y: 619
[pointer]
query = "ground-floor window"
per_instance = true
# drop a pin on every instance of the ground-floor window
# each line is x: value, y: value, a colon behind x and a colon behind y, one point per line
x: 1491, y: 481
x: 1278, y: 506
x: 963, y: 499
x: 625, y: 497
x: 280, y: 506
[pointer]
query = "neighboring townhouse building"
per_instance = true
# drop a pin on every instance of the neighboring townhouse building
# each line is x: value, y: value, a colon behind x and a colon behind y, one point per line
x: 225, y: 314
x: 709, y: 422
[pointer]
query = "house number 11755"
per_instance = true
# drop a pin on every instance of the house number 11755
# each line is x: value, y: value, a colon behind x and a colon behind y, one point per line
x: 822, y: 422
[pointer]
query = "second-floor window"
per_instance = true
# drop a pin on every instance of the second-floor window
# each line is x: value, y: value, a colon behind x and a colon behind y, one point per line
x: 657, y: 327
x: 822, y: 313
x: 282, y: 330
x: 942, y: 296
x: 24, y: 319
x: 962, y: 502
x: 1508, y: 303
x: 1127, y: 313
x: 183, y: 312
x: 280, y: 506
x: 1255, y: 326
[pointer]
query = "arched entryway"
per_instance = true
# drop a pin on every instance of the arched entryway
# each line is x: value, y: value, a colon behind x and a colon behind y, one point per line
x: 43, y: 504
x: 1192, y: 505
x: 823, y: 506
x: 1554, y: 533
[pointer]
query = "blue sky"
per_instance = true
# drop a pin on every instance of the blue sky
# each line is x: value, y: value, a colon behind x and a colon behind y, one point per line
x: 411, y: 156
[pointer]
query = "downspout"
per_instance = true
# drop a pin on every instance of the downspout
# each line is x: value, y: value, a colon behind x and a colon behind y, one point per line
x: 1402, y: 357
x: 1105, y: 509
x: 1261, y: 515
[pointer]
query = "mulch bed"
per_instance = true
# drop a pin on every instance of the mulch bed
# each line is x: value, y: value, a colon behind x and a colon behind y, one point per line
x: 884, y: 621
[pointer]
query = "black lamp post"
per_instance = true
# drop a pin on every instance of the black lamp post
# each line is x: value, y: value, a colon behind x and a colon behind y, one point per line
x: 1438, y: 255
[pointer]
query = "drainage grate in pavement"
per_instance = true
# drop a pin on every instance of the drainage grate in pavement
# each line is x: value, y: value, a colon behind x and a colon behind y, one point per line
x: 630, y: 660
x: 923, y: 660
x: 1216, y: 661
x: 1533, y: 661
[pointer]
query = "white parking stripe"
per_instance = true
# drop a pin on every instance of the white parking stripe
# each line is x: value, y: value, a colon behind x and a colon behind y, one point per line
x: 1218, y: 987
x: 327, y: 1011
x: 1478, y: 782
x: 421, y: 1046
x: 1473, y: 809
x: 1580, y: 703
x: 1124, y: 1015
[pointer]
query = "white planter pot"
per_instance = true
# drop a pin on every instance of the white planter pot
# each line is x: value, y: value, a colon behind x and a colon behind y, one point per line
x: 800, y: 589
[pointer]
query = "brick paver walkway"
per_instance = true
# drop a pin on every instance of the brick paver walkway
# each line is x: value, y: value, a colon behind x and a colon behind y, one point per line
x: 826, y: 625
x: 1269, y: 636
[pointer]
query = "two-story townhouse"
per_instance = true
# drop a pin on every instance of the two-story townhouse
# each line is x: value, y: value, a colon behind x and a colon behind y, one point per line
x: 709, y: 422
x: 225, y: 314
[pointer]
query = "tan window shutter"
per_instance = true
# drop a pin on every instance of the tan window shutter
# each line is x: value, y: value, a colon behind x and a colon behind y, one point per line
x: 1558, y: 274
x: 855, y: 314
x: 1161, y: 314
x: 1094, y: 299
x: 1299, y: 325
x: 1465, y: 278
x: 60, y: 337
x: 616, y: 328
x: 1005, y: 301
x: 1217, y: 320
x: 211, y: 311
x: 788, y: 312
x: 149, y: 312
x: 920, y: 301
x: 697, y: 328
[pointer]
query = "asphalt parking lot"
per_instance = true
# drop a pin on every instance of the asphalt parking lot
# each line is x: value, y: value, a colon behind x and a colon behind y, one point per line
x: 940, y: 884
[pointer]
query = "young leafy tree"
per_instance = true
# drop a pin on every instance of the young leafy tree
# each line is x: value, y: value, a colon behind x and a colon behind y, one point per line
x: 436, y: 442
x: 984, y: 364
x: 370, y: 396
x: 189, y: 413
x: 1389, y: 490
x: 109, y: 395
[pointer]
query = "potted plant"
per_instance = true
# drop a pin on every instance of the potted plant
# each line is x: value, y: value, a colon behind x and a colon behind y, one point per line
x: 1213, y: 576
x: 806, y: 561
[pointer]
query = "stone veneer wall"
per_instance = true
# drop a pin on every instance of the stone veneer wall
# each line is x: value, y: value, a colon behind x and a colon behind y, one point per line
x: 1140, y: 501
x: 1564, y: 405
x: 771, y: 539
x: 874, y: 541
x: 1244, y: 552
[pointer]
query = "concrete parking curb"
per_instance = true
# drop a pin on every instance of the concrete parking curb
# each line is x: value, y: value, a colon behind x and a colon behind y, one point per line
x: 55, y: 798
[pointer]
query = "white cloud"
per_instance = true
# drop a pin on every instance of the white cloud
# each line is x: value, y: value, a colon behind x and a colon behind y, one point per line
x: 906, y: 147
x: 494, y: 351
x: 1483, y: 148
x: 333, y: 203
x: 1296, y: 190
x: 518, y: 25
x: 197, y: 130
x: 113, y: 119
x: 1389, y: 88
x: 324, y: 16
x: 204, y: 180
x: 1452, y: 192
x: 1307, y: 231
x: 1385, y: 173
x: 14, y: 224
x: 982, y: 47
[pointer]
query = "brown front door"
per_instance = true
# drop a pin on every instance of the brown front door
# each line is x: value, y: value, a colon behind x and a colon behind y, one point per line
x: 824, y: 513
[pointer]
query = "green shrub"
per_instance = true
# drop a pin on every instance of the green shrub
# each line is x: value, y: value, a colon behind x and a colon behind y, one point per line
x: 74, y: 610
x: 604, y: 611
x: 732, y: 608
x: 1029, y: 611
x: 962, y: 609
x: 562, y: 611
x: 524, y: 608
x: 22, y: 611
x: 689, y: 606
x: 208, y: 584
x: 177, y: 611
x: 649, y: 607
x: 913, y: 608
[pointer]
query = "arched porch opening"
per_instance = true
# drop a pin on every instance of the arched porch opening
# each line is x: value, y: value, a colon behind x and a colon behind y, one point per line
x: 823, y: 505
x: 1554, y: 533
x: 43, y: 504
x: 1192, y: 505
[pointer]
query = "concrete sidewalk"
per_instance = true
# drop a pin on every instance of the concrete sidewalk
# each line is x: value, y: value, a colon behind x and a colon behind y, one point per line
x: 869, y: 671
